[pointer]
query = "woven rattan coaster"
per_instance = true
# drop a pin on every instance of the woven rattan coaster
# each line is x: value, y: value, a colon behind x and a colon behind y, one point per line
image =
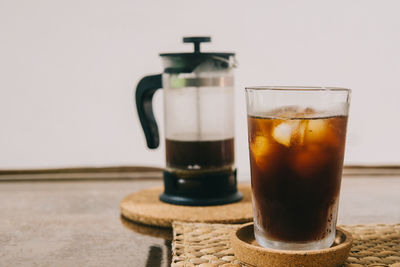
x: 145, y: 207
x: 208, y: 245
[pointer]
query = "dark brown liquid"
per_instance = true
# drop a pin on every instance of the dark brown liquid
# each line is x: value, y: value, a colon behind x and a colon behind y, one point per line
x: 296, y: 167
x: 199, y: 154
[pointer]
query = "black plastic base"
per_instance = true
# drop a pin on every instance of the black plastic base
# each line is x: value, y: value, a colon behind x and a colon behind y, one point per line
x: 201, y: 190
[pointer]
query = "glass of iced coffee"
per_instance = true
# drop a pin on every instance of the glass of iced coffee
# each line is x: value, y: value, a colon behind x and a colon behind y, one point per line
x: 296, y: 141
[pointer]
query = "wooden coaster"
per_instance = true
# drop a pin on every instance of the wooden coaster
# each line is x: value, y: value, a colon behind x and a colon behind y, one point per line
x: 145, y: 207
x: 248, y: 251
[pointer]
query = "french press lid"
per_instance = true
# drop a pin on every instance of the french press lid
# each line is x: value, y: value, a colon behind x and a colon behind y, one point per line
x: 187, y: 62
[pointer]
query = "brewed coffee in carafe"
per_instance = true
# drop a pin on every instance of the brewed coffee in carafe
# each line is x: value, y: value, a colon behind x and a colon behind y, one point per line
x: 200, y: 156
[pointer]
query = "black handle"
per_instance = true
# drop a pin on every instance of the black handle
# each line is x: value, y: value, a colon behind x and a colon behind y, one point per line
x: 144, y: 96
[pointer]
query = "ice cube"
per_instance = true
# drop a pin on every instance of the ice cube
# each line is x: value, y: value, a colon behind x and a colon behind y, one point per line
x: 259, y: 146
x: 316, y: 130
x: 284, y: 112
x: 310, y: 161
x: 300, y: 132
x: 292, y: 112
x: 309, y: 111
x: 282, y: 133
x: 262, y: 127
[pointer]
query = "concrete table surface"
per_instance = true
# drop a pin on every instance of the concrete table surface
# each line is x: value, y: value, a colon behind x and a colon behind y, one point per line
x: 78, y: 223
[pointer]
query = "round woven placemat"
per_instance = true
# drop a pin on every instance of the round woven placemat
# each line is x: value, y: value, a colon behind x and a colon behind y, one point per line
x: 208, y: 245
x: 145, y: 207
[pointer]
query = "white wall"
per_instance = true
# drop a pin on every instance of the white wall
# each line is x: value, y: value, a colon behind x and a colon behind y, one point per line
x: 68, y: 70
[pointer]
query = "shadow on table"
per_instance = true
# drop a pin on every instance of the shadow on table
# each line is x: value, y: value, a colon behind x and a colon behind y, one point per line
x: 155, y: 254
x: 153, y: 231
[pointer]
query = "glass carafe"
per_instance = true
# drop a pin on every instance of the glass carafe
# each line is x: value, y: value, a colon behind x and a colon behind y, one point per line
x: 199, y: 125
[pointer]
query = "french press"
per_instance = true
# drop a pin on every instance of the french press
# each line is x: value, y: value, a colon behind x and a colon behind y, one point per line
x: 199, y: 125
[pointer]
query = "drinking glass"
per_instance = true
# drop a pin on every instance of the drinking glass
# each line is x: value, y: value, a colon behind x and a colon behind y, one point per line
x: 296, y: 141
